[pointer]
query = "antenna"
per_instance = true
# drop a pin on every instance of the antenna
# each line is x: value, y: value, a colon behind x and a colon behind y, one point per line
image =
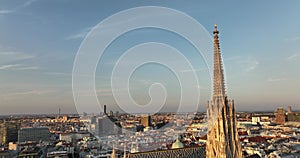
x: 58, y: 111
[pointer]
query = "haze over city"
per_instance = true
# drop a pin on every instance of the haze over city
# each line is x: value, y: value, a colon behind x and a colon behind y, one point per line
x: 39, y: 40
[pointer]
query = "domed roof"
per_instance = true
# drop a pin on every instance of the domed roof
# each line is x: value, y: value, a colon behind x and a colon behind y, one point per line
x: 177, y: 144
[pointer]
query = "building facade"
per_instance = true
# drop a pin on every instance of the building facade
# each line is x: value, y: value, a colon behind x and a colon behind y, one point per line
x: 35, y: 134
x: 146, y: 120
x: 222, y: 138
x: 280, y: 116
x: 9, y: 131
x: 293, y: 117
x: 106, y: 126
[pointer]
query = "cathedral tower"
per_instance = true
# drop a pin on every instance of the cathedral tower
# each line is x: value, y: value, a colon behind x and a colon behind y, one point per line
x: 222, y: 138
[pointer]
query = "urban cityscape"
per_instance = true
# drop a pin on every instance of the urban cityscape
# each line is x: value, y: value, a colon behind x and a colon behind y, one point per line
x: 45, y: 114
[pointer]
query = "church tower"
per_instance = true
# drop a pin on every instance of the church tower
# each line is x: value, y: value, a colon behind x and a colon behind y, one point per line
x: 222, y: 138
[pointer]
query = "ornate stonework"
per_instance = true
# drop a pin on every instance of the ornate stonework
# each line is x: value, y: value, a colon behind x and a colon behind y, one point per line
x: 222, y: 138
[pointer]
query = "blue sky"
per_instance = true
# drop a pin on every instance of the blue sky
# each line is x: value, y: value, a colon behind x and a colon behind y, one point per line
x: 260, y: 44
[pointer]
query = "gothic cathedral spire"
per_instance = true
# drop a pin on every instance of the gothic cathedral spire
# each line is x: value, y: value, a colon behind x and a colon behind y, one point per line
x: 222, y: 138
x: 219, y: 85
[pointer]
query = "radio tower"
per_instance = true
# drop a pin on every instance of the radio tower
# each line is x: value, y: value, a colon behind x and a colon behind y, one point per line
x: 58, y: 112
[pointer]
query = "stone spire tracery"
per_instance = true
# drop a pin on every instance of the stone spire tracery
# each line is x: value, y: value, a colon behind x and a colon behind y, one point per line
x: 219, y: 85
x: 222, y: 138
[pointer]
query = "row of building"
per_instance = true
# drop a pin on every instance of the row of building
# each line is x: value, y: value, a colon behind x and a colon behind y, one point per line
x: 282, y: 116
x: 10, y: 131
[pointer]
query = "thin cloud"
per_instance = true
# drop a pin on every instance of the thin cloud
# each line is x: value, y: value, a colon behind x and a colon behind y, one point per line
x: 293, y: 57
x: 276, y: 79
x: 252, y: 66
x: 102, y: 92
x: 28, y: 68
x: 6, y: 67
x: 80, y: 35
x: 12, y: 56
x: 249, y: 63
x: 28, y: 92
x: 193, y: 70
x: 58, y: 73
x: 201, y: 87
x: 246, y: 63
x: 108, y: 28
x: 23, y: 55
x: 293, y: 39
x: 232, y: 58
x: 15, y: 67
x: 111, y: 27
x: 27, y: 3
x: 8, y: 11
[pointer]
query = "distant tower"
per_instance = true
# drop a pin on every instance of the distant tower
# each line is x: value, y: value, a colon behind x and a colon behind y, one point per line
x: 289, y: 109
x: 59, y: 112
x: 146, y: 120
x: 280, y: 116
x: 105, y: 109
x: 222, y: 138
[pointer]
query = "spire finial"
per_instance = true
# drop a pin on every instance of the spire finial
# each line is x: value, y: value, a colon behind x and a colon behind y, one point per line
x: 215, y: 29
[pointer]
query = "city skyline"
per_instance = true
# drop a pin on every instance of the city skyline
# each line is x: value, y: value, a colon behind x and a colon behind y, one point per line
x: 260, y: 47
